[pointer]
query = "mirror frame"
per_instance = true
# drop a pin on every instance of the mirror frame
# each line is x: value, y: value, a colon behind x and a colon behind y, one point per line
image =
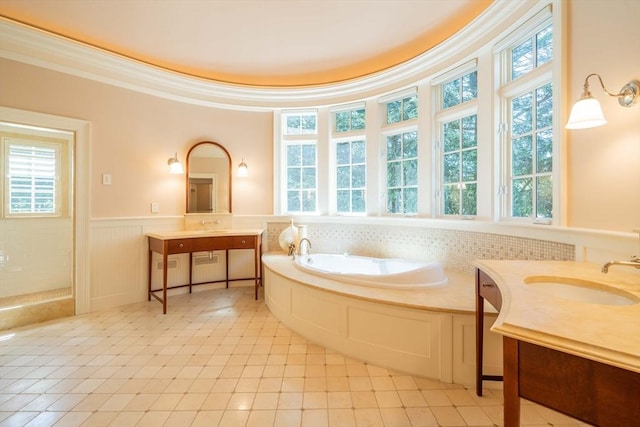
x: 187, y: 174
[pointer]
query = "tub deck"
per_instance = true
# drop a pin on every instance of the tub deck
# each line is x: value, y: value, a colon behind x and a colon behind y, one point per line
x: 458, y: 296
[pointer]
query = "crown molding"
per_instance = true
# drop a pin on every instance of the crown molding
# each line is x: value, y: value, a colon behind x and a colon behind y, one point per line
x: 23, y: 43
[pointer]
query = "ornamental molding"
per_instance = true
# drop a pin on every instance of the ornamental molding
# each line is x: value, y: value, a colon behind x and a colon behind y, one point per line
x: 26, y: 44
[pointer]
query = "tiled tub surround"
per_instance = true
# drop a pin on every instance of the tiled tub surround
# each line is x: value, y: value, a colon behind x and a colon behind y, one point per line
x: 455, y: 249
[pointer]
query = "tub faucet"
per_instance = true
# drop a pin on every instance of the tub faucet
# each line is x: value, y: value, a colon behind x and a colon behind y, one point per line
x: 307, y: 248
x: 634, y: 262
x: 292, y: 250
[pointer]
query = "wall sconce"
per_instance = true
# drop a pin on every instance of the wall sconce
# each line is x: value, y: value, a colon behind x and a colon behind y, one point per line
x: 243, y: 169
x: 587, y: 112
x: 174, y: 165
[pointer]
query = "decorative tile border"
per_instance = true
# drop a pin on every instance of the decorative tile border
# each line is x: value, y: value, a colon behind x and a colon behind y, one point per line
x: 455, y: 249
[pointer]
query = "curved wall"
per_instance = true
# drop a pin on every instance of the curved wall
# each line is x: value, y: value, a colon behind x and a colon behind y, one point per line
x: 139, y: 118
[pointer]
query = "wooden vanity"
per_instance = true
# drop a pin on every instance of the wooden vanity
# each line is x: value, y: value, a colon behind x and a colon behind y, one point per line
x: 183, y: 242
x: 552, y: 370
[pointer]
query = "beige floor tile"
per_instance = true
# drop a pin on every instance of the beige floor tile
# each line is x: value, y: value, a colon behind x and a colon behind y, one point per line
x: 45, y: 419
x: 360, y: 383
x: 241, y: 401
x: 288, y: 418
x: 315, y: 384
x: 180, y: 418
x: 412, y: 398
x: 267, y: 401
x: 292, y: 384
x: 364, y: 399
x: 104, y: 419
x: 216, y: 401
x: 382, y: 383
x: 421, y: 417
x: 396, y: 417
x: 388, y: 399
x: 314, y: 400
x: 447, y: 416
x: 315, y: 418
x: 261, y: 418
x: 128, y: 419
x: 339, y: 399
x: 436, y: 398
x: 290, y: 400
x: 206, y: 418
x: 342, y: 418
x: 368, y: 417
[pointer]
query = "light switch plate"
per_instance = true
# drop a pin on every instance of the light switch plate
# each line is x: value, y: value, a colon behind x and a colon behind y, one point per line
x: 106, y: 179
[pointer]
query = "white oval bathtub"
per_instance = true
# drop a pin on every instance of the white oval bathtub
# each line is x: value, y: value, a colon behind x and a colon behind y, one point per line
x: 375, y: 272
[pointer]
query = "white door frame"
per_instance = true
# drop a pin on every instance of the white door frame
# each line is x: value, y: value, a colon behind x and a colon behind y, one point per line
x: 82, y: 191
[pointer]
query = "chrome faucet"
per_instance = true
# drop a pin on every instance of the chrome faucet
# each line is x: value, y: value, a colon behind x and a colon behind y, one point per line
x: 308, y: 249
x: 634, y: 262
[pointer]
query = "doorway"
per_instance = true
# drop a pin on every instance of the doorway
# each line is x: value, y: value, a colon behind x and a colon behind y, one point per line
x: 41, y: 272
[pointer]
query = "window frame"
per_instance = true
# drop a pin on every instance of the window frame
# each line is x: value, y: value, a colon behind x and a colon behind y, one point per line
x: 507, y: 90
x: 445, y: 115
x: 288, y: 140
x: 397, y: 128
x: 337, y: 137
x: 62, y: 146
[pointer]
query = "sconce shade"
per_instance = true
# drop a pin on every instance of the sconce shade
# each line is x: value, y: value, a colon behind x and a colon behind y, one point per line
x: 243, y: 169
x: 586, y: 113
x: 175, y: 167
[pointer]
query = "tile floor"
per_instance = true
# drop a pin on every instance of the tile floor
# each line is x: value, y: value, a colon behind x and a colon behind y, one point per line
x: 218, y: 358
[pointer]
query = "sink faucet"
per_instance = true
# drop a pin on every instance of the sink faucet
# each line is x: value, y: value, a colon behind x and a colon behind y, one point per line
x: 307, y: 248
x: 634, y: 262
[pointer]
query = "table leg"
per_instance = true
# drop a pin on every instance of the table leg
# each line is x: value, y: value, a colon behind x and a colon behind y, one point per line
x: 479, y: 341
x: 164, y: 282
x: 149, y: 271
x: 511, y: 386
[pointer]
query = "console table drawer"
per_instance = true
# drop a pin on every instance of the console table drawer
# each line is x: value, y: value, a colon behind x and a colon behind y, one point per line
x: 212, y: 243
x: 243, y: 242
x: 178, y: 246
x: 489, y: 290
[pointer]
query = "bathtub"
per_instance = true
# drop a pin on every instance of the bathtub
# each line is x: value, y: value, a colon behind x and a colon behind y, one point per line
x: 426, y: 331
x: 374, y: 272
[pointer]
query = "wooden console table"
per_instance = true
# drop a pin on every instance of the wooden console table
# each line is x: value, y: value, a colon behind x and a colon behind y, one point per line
x: 181, y: 242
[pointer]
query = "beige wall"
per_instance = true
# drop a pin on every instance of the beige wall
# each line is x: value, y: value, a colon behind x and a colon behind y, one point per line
x: 604, y: 162
x: 133, y: 135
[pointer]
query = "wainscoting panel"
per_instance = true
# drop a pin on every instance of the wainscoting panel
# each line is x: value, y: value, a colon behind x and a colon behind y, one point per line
x: 118, y: 264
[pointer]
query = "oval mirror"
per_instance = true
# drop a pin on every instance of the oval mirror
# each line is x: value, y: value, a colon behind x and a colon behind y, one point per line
x: 208, y: 178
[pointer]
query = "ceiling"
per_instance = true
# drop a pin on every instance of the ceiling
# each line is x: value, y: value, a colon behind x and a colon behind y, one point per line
x: 256, y: 42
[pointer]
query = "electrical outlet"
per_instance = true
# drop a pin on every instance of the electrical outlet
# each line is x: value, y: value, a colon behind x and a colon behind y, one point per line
x: 155, y: 207
x: 106, y: 179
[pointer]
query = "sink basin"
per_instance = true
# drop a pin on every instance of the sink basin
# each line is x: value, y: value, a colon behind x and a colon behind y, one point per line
x: 579, y: 290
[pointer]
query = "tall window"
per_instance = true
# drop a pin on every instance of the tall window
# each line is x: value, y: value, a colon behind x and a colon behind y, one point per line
x: 300, y: 136
x: 350, y: 160
x: 401, y: 155
x: 458, y: 145
x: 529, y: 127
x: 32, y: 181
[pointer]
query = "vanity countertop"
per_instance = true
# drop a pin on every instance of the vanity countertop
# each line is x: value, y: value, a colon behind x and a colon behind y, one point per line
x: 190, y: 234
x: 606, y: 333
